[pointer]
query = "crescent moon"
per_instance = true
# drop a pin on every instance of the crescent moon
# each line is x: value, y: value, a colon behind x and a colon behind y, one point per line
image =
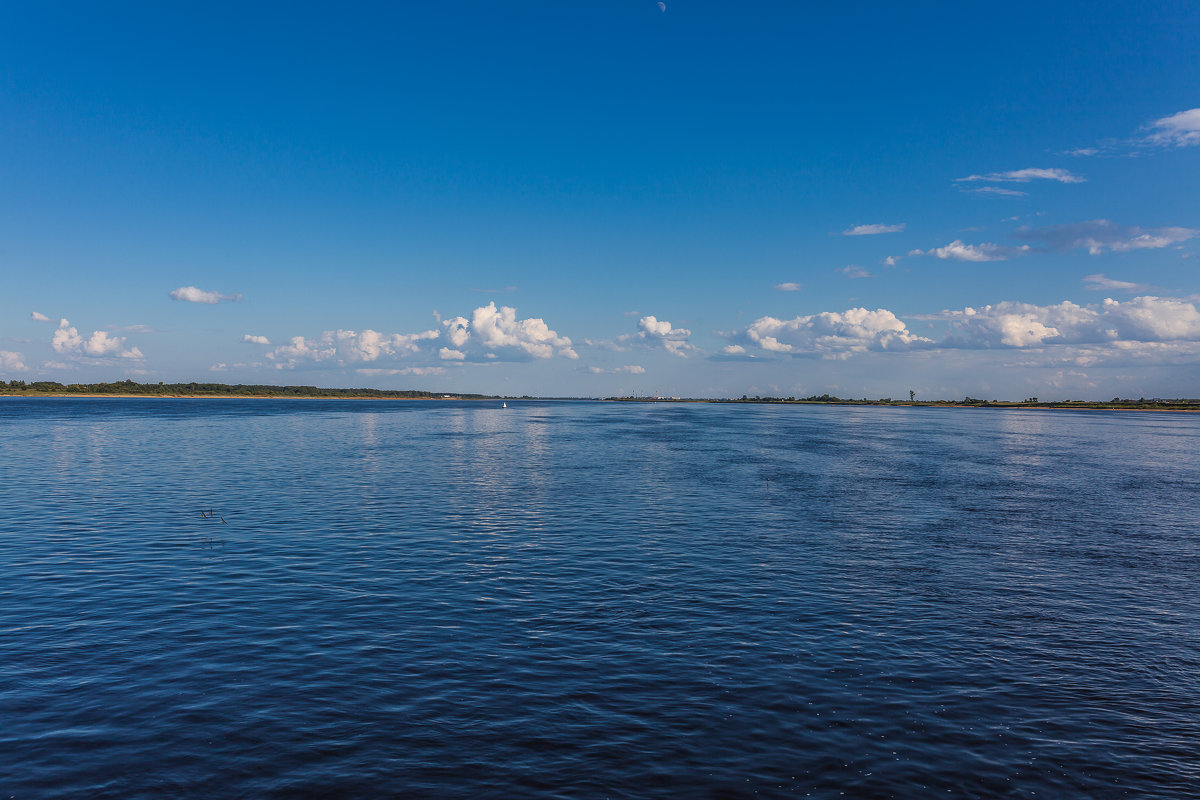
x: 662, y: 6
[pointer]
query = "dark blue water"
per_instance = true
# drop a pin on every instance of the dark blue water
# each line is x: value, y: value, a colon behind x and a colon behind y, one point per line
x: 452, y: 600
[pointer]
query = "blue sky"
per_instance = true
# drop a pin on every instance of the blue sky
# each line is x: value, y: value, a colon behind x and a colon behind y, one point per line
x: 595, y: 198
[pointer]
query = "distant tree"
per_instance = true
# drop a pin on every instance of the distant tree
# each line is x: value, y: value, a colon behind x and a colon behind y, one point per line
x: 911, y: 395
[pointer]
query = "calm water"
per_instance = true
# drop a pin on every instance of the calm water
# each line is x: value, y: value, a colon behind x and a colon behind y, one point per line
x: 445, y: 600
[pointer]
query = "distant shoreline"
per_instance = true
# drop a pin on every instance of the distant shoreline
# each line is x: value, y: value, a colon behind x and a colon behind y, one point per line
x: 131, y: 390
x: 70, y: 395
x: 1065, y: 405
x: 128, y: 389
x: 997, y: 405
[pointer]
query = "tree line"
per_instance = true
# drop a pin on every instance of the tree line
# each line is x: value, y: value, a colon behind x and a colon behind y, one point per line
x: 128, y: 387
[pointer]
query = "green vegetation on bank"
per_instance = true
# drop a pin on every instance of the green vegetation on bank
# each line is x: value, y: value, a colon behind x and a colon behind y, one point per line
x: 130, y: 388
x: 53, y: 388
x: 1177, y: 404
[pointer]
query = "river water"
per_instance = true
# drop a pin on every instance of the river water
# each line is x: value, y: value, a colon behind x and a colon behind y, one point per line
x: 451, y: 599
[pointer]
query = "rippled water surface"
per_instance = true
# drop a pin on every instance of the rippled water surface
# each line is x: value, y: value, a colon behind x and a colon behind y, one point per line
x: 448, y: 599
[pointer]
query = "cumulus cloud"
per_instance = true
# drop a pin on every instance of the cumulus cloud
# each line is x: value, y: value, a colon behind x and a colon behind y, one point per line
x: 250, y: 338
x: 1008, y: 324
x: 1025, y: 176
x: 1177, y: 130
x: 492, y: 329
x: 68, y: 341
x: 960, y: 251
x: 1099, y: 283
x: 191, y: 294
x: 1099, y: 235
x: 1164, y: 328
x: 37, y: 316
x: 632, y: 369
x: 11, y: 361
x: 458, y: 330
x: 343, y: 347
x: 853, y: 271
x: 872, y: 230
x: 652, y: 333
x: 653, y: 326
x: 788, y: 287
x: 490, y: 333
x: 828, y: 334
x: 660, y: 332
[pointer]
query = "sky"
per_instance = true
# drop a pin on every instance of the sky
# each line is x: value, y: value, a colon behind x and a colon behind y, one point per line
x: 605, y: 197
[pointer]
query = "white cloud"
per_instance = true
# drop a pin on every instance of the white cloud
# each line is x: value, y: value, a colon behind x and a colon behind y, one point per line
x: 632, y: 369
x: 250, y: 338
x: 1026, y: 175
x: 402, y: 371
x: 67, y: 341
x: 1138, y: 355
x: 499, y: 329
x: 652, y: 333
x: 653, y: 326
x: 1099, y: 283
x: 872, y: 230
x: 1008, y: 324
x: 220, y: 366
x: 1177, y: 130
x: 458, y: 330
x: 343, y: 347
x: 37, y: 316
x: 890, y: 261
x: 1163, y: 329
x: 488, y: 331
x: 853, y: 271
x: 830, y: 334
x: 789, y: 287
x: 959, y: 251
x: 661, y: 333
x: 996, y: 190
x: 1181, y: 129
x: 12, y: 361
x: 191, y: 294
x: 1099, y: 235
